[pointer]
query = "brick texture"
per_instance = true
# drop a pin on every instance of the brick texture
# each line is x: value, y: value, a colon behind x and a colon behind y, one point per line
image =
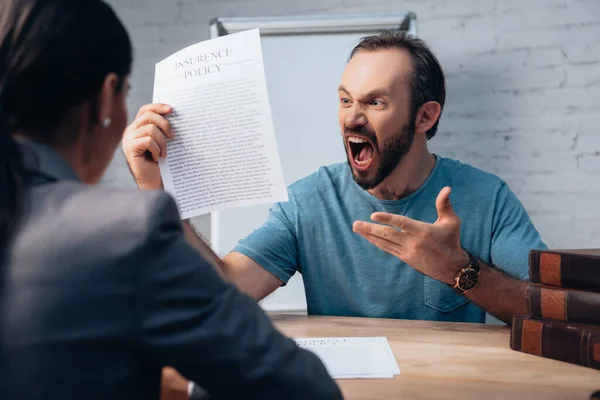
x: 523, y: 89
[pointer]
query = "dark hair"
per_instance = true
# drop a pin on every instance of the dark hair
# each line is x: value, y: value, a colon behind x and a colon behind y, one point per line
x: 427, y: 80
x: 54, y: 54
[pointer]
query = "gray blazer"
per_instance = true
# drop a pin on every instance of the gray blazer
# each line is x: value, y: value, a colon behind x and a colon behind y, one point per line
x: 100, y: 290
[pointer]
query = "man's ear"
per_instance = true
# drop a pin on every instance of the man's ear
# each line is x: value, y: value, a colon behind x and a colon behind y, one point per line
x: 106, y: 100
x: 427, y: 116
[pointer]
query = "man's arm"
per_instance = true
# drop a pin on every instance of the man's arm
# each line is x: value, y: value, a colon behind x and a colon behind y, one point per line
x: 513, y: 237
x: 249, y: 276
x: 499, y: 294
x: 241, y: 270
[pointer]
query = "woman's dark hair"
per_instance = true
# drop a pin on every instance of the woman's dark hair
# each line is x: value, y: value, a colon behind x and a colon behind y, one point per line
x: 427, y: 80
x: 54, y: 54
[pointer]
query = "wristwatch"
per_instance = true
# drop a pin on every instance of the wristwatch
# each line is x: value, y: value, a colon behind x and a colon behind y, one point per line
x: 468, y: 277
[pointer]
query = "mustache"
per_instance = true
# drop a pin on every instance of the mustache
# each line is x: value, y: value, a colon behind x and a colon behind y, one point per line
x: 362, y: 131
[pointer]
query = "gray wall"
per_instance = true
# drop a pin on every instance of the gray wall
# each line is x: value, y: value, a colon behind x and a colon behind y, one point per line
x: 523, y: 89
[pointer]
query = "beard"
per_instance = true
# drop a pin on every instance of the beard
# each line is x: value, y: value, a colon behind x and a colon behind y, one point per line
x: 390, y: 153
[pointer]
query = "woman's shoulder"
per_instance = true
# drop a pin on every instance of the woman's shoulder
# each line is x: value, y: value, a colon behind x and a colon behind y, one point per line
x: 102, y: 213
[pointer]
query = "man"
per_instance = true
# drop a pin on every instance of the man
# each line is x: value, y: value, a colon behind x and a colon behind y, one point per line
x: 441, y: 259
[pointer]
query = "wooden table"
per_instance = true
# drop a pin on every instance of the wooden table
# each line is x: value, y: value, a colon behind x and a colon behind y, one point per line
x: 444, y: 360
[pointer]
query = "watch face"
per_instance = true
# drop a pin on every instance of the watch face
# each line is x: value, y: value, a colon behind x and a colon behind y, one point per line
x: 468, y: 279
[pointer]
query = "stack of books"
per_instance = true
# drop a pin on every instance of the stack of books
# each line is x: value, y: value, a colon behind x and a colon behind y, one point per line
x: 563, y: 322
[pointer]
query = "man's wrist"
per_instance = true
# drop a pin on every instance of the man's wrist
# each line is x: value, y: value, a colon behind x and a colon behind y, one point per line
x: 142, y: 186
x: 457, y: 266
x: 145, y: 184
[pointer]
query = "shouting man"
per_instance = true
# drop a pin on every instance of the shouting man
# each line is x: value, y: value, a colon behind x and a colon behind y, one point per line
x: 396, y: 232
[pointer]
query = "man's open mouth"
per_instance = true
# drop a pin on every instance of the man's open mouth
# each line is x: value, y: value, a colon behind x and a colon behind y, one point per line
x: 362, y: 152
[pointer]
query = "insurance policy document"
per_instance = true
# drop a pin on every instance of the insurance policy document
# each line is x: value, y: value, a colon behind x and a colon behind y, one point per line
x: 224, y: 153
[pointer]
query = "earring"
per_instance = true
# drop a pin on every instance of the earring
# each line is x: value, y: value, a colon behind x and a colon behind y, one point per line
x: 106, y: 122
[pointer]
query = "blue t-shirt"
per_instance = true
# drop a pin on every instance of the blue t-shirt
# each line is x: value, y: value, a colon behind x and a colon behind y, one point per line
x: 345, y: 275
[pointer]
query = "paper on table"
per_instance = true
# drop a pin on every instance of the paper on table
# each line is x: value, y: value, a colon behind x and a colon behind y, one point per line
x: 353, y: 357
x: 390, y: 353
x: 224, y: 153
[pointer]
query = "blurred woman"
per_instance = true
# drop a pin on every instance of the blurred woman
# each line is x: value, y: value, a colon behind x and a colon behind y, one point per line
x: 99, y: 288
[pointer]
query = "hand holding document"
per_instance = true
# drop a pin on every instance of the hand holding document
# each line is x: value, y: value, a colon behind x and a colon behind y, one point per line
x: 224, y: 153
x: 353, y: 357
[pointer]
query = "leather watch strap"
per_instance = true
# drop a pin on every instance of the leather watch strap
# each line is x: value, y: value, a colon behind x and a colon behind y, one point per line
x: 473, y: 262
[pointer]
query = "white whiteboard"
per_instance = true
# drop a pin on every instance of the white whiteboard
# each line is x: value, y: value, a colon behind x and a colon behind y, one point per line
x: 304, y: 58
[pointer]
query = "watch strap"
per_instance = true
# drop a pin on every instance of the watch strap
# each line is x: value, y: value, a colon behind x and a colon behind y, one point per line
x: 473, y: 262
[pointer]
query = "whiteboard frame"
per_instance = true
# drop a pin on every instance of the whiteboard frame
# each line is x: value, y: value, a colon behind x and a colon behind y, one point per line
x: 306, y: 24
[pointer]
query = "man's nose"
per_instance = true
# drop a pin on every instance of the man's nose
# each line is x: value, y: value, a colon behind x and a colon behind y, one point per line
x: 355, y: 117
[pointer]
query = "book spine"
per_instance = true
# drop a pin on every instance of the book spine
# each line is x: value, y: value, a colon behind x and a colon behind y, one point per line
x: 557, y: 341
x: 574, y: 271
x: 545, y: 268
x: 564, y: 305
x: 515, y: 333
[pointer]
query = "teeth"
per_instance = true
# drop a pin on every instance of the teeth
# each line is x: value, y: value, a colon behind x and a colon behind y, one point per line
x: 356, y: 140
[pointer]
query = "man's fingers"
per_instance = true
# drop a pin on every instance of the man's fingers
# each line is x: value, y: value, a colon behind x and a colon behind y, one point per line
x: 153, y: 148
x: 385, y: 245
x: 159, y: 138
x: 443, y: 205
x: 151, y: 118
x: 147, y: 143
x: 384, y: 232
x: 156, y: 134
x: 401, y: 222
x: 159, y: 108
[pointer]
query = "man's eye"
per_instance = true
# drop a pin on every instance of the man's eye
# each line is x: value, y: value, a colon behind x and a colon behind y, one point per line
x: 376, y: 102
x: 345, y: 101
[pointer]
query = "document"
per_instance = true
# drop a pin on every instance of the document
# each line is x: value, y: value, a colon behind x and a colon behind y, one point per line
x: 353, y: 357
x: 224, y: 153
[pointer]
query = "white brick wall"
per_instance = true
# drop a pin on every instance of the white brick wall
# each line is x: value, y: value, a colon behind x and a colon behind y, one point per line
x: 523, y: 89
